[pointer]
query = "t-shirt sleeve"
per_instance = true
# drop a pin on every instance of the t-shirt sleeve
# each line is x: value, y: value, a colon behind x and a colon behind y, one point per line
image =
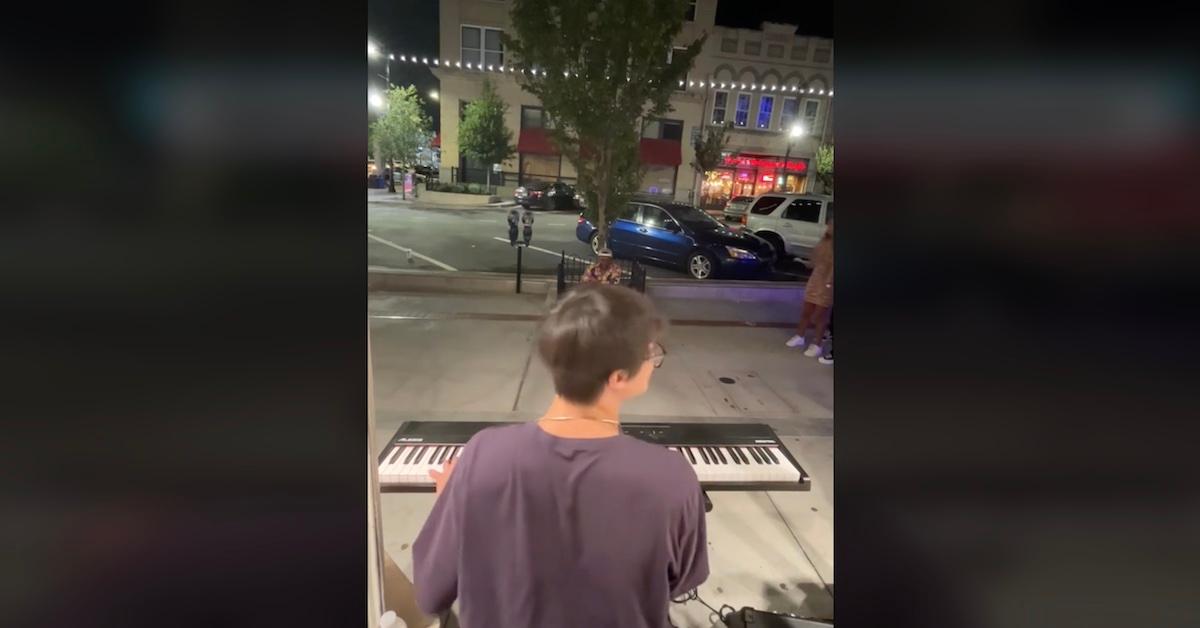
x: 689, y: 565
x: 436, y: 549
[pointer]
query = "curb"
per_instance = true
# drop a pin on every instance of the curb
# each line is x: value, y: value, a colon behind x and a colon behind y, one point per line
x: 401, y: 280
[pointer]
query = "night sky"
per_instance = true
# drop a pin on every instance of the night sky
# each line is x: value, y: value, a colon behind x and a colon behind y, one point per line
x: 411, y: 26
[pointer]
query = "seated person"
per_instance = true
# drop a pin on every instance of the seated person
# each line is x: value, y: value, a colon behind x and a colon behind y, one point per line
x: 565, y: 521
x: 603, y: 270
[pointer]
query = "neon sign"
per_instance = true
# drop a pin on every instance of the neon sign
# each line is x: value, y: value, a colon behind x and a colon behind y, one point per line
x: 767, y: 163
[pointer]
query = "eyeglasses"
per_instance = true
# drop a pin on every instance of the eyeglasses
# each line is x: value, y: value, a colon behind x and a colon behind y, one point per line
x: 657, y: 354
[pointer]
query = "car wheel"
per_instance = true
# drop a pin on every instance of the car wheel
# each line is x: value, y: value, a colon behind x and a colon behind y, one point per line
x: 701, y: 265
x: 596, y: 246
x: 776, y: 243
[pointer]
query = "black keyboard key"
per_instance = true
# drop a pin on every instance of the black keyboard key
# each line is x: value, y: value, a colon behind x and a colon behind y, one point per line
x: 425, y: 455
x: 690, y: 456
x: 733, y: 454
x: 720, y: 455
x: 442, y: 456
x: 411, y: 454
x: 742, y: 452
x: 771, y: 455
x: 704, y: 452
x: 757, y: 458
x: 392, y: 458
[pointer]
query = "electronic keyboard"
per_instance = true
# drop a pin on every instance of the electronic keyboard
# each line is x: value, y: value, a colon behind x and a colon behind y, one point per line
x: 725, y: 456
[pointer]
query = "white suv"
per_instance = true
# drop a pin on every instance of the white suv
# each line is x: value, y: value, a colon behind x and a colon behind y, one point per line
x: 792, y: 223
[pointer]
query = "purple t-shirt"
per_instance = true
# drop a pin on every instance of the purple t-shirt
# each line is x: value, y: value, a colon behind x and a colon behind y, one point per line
x: 535, y: 530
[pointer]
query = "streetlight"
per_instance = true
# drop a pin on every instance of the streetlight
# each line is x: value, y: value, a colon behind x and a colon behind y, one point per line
x: 374, y: 52
x: 794, y: 133
x: 375, y: 100
x: 433, y: 94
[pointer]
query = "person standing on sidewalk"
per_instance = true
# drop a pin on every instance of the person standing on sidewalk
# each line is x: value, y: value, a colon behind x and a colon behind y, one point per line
x: 818, y: 296
x: 565, y: 521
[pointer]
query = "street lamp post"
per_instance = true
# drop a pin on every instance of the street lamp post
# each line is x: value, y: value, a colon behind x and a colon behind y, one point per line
x: 795, y: 132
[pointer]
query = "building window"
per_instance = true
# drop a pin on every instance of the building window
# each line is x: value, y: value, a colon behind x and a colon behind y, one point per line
x: 538, y: 168
x: 534, y: 118
x: 663, y: 130
x: 766, y: 105
x: 728, y: 45
x: 799, y: 51
x: 775, y: 50
x: 787, y: 117
x: 741, y: 115
x: 670, y: 57
x: 753, y: 48
x: 720, y: 101
x: 481, y: 45
x: 659, y: 180
x: 690, y: 13
x: 811, y: 109
x: 821, y: 55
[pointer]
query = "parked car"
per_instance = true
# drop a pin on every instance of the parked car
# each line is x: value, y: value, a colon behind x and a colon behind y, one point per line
x: 546, y: 195
x: 735, y: 210
x: 682, y: 236
x: 792, y: 223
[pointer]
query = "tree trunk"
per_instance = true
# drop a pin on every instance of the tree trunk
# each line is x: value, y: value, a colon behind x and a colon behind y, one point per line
x: 698, y: 178
x: 602, y: 186
x: 489, y: 180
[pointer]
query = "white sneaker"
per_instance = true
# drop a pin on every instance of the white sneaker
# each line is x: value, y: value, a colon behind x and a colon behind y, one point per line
x: 813, y: 351
x: 796, y: 341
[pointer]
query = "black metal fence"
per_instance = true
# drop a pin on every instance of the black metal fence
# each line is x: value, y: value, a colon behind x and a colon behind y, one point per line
x: 571, y: 269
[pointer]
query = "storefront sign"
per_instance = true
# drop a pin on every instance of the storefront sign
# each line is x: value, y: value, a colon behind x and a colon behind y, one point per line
x: 766, y: 163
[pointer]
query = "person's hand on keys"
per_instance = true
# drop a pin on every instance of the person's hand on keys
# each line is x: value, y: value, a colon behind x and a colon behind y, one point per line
x: 440, y: 477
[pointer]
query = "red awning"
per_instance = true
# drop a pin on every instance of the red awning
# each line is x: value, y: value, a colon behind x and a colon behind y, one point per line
x: 536, y: 142
x: 661, y: 152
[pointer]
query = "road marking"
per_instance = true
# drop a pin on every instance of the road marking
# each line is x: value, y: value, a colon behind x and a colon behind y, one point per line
x: 411, y: 252
x: 547, y: 251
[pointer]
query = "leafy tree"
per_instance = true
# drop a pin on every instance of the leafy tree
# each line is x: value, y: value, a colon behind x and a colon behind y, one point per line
x: 600, y: 68
x: 709, y: 146
x: 402, y: 130
x: 482, y: 133
x: 824, y: 167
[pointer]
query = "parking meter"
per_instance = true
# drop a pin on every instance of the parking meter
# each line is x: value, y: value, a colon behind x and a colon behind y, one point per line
x: 513, y: 218
x: 527, y: 226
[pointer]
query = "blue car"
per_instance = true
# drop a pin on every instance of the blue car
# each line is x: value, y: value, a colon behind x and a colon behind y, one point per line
x: 682, y: 236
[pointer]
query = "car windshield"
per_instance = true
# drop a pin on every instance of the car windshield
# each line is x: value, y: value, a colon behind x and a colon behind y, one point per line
x: 694, y: 217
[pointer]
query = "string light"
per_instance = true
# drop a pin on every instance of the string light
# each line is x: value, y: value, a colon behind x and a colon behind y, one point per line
x: 683, y: 83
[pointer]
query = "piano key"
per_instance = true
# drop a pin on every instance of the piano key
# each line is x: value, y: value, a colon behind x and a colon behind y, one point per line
x: 733, y: 454
x: 742, y: 453
x: 704, y: 454
x: 771, y: 455
x: 688, y: 451
x: 720, y: 455
x: 409, y: 457
x: 445, y: 454
x: 754, y: 453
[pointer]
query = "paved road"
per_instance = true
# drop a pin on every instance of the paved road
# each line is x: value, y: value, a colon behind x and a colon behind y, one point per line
x: 474, y: 240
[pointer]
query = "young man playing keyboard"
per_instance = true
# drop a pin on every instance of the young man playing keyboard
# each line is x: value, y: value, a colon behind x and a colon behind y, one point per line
x: 565, y: 521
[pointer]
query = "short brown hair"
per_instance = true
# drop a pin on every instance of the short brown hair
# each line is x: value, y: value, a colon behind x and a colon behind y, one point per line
x: 594, y: 330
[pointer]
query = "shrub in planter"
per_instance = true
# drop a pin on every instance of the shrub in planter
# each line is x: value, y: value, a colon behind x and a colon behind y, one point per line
x: 474, y: 188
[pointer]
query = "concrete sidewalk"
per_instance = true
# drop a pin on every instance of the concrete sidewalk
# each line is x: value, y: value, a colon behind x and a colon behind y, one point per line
x: 383, y: 196
x: 471, y: 357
